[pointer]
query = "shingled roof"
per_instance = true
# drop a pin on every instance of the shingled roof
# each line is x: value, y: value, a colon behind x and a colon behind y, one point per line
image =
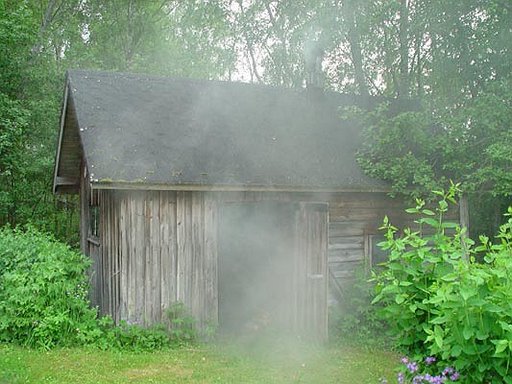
x: 139, y: 131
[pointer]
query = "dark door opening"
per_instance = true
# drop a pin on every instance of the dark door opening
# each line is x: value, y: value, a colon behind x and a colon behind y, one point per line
x: 256, y: 251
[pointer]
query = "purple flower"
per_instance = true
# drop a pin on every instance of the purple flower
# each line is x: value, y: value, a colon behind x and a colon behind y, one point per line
x: 417, y: 379
x: 448, y: 370
x: 404, y: 360
x: 430, y: 360
x: 437, y: 379
x: 455, y: 376
x: 401, y: 378
x: 412, y: 366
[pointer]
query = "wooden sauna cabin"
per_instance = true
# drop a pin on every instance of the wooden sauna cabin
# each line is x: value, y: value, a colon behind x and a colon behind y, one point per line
x: 244, y: 202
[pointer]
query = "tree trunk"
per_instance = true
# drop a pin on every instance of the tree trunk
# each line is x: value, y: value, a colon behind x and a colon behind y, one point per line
x: 403, y: 34
x: 49, y: 15
x: 355, y: 48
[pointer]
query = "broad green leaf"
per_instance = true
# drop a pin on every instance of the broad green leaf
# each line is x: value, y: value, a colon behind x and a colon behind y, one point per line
x: 467, y: 332
x: 501, y: 345
x: 456, y: 350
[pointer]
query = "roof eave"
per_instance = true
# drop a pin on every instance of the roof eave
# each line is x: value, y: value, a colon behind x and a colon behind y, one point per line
x: 61, y: 136
x: 234, y: 187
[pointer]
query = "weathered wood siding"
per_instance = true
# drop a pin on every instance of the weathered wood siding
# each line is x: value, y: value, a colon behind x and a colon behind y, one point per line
x: 352, y: 218
x: 311, y: 279
x: 157, y: 248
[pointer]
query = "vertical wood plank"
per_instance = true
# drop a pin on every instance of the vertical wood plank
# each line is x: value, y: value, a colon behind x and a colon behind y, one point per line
x: 140, y: 256
x: 131, y: 259
x: 211, y: 260
x: 123, y: 273
x: 147, y: 277
x: 103, y: 218
x: 197, y: 262
x: 165, y: 250
x: 156, y: 248
x: 169, y: 238
x: 311, y: 270
x: 180, y: 216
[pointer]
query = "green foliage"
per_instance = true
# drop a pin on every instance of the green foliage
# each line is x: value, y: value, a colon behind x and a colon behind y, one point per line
x: 453, y: 56
x: 43, y: 290
x: 44, y: 301
x: 182, y: 325
x: 402, y: 149
x: 178, y: 329
x: 128, y: 337
x: 439, y: 302
x: 419, y: 151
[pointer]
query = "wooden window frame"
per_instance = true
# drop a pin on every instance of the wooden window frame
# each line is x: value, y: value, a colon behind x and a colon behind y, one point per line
x: 371, y: 239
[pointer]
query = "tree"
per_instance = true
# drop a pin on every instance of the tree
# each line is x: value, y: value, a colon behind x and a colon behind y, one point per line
x: 42, y: 38
x: 452, y: 58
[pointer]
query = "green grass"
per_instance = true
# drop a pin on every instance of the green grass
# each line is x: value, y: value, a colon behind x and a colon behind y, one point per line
x: 241, y: 362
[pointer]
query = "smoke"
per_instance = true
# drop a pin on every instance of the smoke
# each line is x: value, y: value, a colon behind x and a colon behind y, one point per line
x: 256, y: 268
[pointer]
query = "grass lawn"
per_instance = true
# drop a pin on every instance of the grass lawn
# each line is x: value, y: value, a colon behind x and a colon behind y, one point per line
x: 245, y: 362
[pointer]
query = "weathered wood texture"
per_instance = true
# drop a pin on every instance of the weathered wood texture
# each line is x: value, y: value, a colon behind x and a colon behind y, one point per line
x: 310, y: 270
x: 157, y: 248
x: 70, y: 150
x: 352, y: 217
x: 89, y: 244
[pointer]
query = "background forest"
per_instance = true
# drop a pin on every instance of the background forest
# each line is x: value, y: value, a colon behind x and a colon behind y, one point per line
x: 453, y: 58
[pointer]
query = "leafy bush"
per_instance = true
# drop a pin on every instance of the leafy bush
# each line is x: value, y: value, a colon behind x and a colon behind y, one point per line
x: 127, y: 336
x: 43, y: 290
x: 182, y: 325
x: 44, y: 301
x: 438, y: 303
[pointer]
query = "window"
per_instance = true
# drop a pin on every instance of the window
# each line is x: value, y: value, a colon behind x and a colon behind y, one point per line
x: 375, y: 254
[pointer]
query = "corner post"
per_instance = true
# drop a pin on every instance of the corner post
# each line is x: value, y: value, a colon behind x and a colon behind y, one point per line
x: 464, y: 222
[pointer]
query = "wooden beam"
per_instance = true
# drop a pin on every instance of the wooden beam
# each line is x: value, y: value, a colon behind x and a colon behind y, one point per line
x: 228, y: 188
x: 61, y: 135
x: 65, y: 181
x: 464, y: 222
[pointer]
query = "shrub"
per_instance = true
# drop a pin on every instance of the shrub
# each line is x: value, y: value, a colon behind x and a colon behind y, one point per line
x: 128, y: 336
x: 182, y: 325
x: 43, y: 290
x: 438, y: 304
x: 44, y: 301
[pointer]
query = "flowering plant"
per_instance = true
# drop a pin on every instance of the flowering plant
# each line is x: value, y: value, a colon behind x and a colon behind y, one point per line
x: 415, y: 373
x: 412, y: 372
x: 438, y: 300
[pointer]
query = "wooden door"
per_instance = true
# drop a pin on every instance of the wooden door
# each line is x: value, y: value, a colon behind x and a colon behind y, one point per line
x: 311, y: 270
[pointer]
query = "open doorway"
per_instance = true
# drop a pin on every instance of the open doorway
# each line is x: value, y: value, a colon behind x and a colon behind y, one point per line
x: 256, y: 253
